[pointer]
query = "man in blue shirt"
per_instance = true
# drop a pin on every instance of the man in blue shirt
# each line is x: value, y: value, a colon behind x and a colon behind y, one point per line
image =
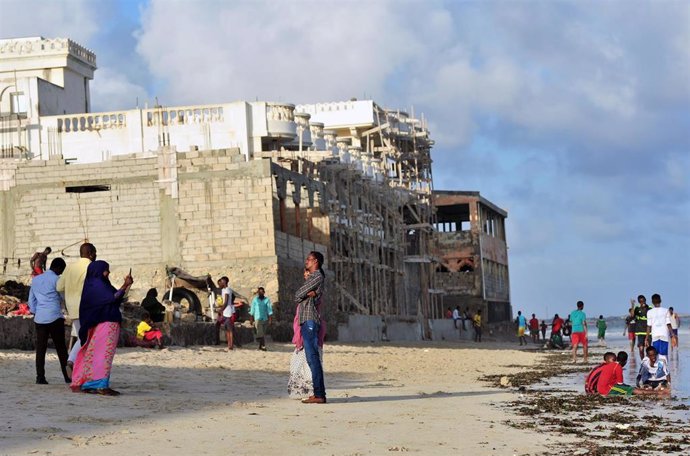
x: 45, y: 304
x: 260, y: 314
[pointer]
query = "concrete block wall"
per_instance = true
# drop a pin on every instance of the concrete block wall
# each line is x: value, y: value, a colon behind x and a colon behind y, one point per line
x: 222, y: 222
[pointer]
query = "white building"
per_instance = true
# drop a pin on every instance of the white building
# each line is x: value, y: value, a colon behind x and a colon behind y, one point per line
x: 45, y: 112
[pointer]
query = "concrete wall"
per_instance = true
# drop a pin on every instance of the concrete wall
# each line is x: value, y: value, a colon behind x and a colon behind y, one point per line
x: 220, y: 223
x: 371, y: 328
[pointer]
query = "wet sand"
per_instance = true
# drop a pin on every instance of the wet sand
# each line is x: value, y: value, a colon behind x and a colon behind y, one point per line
x: 419, y: 398
x: 552, y: 399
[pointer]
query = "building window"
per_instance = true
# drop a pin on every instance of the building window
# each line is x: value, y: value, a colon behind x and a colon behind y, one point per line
x: 17, y: 103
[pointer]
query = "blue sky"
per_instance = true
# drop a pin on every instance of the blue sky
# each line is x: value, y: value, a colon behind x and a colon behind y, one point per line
x: 573, y: 116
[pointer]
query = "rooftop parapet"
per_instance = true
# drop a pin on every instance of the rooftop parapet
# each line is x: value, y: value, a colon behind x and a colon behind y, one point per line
x: 39, y: 46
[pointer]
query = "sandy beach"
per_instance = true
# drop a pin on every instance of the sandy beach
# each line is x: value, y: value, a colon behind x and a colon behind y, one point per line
x: 383, y: 399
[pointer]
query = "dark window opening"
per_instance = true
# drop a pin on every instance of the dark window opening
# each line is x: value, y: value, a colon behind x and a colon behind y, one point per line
x: 87, y: 188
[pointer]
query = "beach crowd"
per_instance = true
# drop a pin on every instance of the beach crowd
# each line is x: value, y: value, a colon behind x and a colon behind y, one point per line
x: 93, y: 305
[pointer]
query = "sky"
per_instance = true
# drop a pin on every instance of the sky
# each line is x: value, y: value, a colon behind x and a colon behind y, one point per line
x: 574, y: 116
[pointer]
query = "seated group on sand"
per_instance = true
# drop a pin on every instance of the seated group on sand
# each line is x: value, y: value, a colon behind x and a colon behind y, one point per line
x: 607, y: 378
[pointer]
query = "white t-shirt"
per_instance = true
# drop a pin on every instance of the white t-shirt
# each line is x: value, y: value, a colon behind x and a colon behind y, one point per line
x: 456, y: 315
x: 230, y: 308
x: 658, y: 371
x: 658, y: 318
x: 674, y: 320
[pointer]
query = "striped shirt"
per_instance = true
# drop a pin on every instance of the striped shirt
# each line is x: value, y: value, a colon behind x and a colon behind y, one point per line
x: 306, y: 305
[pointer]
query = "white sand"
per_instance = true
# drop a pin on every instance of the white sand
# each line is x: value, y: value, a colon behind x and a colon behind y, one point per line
x: 383, y: 399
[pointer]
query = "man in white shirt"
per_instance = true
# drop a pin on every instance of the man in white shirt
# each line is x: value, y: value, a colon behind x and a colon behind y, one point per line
x: 456, y: 316
x: 658, y: 326
x: 675, y: 323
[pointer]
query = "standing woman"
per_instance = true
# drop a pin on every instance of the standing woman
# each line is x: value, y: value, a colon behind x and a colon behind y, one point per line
x: 100, y: 318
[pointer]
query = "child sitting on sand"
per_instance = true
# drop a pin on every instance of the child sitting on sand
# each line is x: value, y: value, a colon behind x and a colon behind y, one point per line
x: 147, y: 332
x: 654, y: 372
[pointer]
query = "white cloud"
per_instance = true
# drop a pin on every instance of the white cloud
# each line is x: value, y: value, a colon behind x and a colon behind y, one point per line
x: 112, y: 90
x: 75, y: 19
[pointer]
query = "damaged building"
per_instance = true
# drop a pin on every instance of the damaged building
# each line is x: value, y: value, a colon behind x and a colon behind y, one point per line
x: 243, y: 189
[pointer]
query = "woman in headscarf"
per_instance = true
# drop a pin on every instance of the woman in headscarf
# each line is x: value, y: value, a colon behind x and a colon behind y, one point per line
x: 155, y: 309
x: 100, y: 318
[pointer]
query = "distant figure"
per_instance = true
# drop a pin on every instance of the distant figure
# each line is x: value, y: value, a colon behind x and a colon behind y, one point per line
x: 521, y: 322
x: 38, y: 262
x: 155, y: 309
x: 640, y: 314
x: 556, y: 325
x: 654, y: 372
x: 448, y: 314
x: 543, y: 327
x: 227, y: 298
x: 568, y: 328
x: 630, y: 325
x: 579, y: 330
x: 477, y: 325
x: 601, y: 330
x: 534, y: 329
x: 456, y: 317
x: 45, y: 304
x: 147, y: 332
x: 261, y: 313
x: 675, y: 323
x: 658, y: 326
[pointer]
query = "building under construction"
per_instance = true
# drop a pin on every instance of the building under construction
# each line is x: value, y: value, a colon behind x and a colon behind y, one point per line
x: 243, y: 189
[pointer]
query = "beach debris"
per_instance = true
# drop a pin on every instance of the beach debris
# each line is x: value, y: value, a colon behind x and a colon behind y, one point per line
x: 505, y: 382
x: 401, y: 449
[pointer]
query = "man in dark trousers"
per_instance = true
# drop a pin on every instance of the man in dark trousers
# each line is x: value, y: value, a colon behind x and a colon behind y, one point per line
x: 45, y: 304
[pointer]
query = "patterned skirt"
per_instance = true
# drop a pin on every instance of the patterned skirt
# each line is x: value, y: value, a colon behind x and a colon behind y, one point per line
x: 95, y: 358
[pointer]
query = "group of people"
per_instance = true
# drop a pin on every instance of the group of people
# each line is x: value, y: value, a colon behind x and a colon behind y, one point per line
x: 655, y: 330
x: 656, y: 326
x: 93, y: 305
x: 460, y: 318
x: 607, y: 378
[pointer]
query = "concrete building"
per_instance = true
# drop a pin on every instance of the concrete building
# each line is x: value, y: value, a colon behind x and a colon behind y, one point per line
x: 243, y: 189
x: 471, y: 244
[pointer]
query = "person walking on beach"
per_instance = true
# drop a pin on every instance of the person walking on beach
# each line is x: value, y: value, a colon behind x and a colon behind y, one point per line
x: 579, y: 330
x: 38, y: 262
x: 601, y: 330
x: 658, y: 326
x: 675, y: 323
x: 307, y: 299
x: 534, y: 329
x: 522, y: 327
x: 261, y: 313
x: 640, y: 314
x: 71, y: 284
x: 477, y: 325
x: 45, y: 304
x: 543, y: 327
